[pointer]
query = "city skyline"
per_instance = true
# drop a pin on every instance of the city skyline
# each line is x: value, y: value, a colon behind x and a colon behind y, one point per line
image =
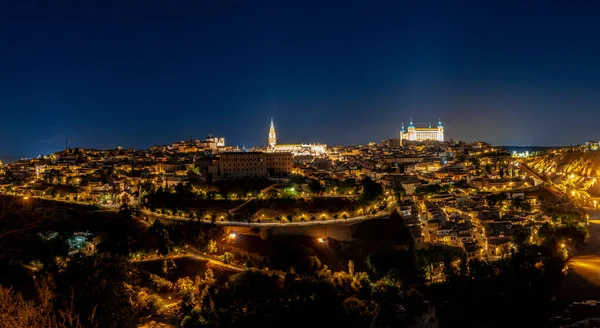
x: 108, y: 74
x: 72, y: 143
x: 188, y: 163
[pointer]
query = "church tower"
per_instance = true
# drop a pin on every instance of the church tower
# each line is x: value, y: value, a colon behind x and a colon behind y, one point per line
x: 272, y: 135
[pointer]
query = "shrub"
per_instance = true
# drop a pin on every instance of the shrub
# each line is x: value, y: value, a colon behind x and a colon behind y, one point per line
x: 159, y: 283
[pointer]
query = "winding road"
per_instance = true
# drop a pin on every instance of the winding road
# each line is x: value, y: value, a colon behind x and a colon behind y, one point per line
x: 384, y: 213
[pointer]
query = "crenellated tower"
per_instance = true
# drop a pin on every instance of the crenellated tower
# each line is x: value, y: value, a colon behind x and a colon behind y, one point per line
x: 440, y: 130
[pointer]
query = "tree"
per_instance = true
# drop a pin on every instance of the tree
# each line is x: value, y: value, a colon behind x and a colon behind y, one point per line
x: 545, y: 231
x: 487, y: 168
x: 97, y: 288
x: 15, y: 311
x: 522, y: 237
x: 169, y: 267
x: 572, y: 235
x: 160, y: 231
x: 351, y: 268
x: 184, y: 286
x: 159, y: 283
x: 212, y: 247
x: 315, y: 186
x: 227, y: 257
x: 371, y: 190
x: 149, y: 304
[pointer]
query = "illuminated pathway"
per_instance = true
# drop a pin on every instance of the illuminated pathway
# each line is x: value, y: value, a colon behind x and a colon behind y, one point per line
x: 583, y: 279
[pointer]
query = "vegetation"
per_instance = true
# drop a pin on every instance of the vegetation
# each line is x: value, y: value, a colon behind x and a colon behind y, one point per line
x: 432, y: 189
x: 522, y: 285
x: 371, y: 190
x: 383, y: 288
x: 323, y: 298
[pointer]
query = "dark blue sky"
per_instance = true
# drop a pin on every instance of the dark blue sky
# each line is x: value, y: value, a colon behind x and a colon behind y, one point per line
x: 138, y: 73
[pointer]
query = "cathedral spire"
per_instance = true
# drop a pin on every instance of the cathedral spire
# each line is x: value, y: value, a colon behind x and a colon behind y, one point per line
x: 272, y: 135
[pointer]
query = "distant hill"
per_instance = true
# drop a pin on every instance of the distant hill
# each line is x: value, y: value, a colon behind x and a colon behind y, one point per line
x: 520, y: 149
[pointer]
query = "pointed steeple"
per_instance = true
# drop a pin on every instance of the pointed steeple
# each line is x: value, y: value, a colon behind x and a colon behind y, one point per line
x: 402, y: 127
x: 430, y: 125
x: 439, y: 123
x: 272, y: 135
x: 411, y: 124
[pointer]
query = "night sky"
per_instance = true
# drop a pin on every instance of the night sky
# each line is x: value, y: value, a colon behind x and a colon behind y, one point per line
x: 137, y: 73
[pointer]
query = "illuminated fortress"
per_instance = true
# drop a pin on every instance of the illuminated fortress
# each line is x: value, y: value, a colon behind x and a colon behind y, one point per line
x: 422, y: 134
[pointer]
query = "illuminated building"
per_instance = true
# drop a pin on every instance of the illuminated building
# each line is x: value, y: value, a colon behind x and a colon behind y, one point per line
x: 422, y: 134
x: 212, y: 143
x: 313, y: 149
x: 590, y: 145
x: 279, y: 164
x: 272, y: 135
x: 254, y: 164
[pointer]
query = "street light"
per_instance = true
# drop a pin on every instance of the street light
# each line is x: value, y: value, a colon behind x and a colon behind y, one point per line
x: 321, y: 240
x: 232, y: 236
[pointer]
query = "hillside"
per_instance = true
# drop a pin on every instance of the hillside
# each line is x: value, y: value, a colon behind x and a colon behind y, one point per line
x: 574, y: 170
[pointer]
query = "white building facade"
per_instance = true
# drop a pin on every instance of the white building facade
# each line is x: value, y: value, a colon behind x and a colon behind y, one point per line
x: 413, y: 133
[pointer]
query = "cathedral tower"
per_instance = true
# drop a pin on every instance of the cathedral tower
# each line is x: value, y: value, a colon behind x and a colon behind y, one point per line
x: 272, y: 135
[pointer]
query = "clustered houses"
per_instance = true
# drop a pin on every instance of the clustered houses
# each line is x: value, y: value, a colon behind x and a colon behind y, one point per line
x: 447, y: 187
x: 469, y: 196
x: 449, y: 204
x: 117, y: 176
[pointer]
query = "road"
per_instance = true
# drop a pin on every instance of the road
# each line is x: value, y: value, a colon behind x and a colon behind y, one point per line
x: 384, y: 213
x: 194, y: 253
x: 264, y: 191
x: 381, y: 214
x: 551, y: 186
x: 583, y: 280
